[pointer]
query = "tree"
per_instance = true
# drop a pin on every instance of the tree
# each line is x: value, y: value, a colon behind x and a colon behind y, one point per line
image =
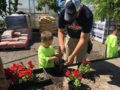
x: 15, y: 5
x: 51, y: 3
x: 3, y: 6
x: 106, y: 9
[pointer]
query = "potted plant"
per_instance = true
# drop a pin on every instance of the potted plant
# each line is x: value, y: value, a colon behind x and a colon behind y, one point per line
x: 25, y: 77
x: 75, y: 79
x: 19, y: 74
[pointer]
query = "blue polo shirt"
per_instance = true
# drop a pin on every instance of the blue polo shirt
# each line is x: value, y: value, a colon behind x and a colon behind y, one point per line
x: 84, y: 21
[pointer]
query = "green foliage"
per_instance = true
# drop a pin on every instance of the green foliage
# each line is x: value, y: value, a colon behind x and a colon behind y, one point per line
x: 51, y: 3
x: 85, y: 1
x: 2, y: 23
x: 77, y: 82
x: 84, y: 68
x: 3, y: 6
x: 75, y: 76
x: 106, y: 9
x: 15, y: 5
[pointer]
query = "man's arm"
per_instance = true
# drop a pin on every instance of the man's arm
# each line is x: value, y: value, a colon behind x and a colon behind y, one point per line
x: 84, y: 37
x: 82, y: 41
x: 61, y: 40
x: 61, y: 37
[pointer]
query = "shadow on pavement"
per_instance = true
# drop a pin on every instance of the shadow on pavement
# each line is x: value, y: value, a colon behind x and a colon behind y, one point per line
x: 106, y: 68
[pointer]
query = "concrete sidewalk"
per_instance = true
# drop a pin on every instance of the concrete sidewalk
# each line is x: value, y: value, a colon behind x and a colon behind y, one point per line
x: 105, y: 75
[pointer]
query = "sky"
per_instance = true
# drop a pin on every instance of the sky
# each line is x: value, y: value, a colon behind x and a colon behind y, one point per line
x: 25, y: 5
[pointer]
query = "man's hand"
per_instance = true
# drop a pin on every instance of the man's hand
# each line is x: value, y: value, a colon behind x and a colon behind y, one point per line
x: 69, y: 60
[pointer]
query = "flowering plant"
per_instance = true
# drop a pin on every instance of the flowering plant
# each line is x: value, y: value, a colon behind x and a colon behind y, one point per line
x: 18, y: 73
x: 85, y: 67
x: 75, y: 76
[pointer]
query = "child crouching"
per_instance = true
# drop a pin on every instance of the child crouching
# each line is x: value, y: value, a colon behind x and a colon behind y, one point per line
x: 46, y: 52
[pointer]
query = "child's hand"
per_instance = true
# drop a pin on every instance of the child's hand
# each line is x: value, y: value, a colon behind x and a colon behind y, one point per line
x: 53, y: 58
x: 56, y: 58
x: 58, y: 55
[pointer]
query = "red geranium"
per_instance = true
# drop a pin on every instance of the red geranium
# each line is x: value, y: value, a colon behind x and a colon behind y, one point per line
x: 67, y: 73
x: 21, y: 74
x: 75, y: 76
x: 28, y: 72
x: 75, y: 72
x: 30, y: 64
x: 18, y: 73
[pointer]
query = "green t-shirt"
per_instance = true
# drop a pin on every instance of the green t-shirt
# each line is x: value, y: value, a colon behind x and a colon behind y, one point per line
x: 43, y: 55
x: 112, y: 46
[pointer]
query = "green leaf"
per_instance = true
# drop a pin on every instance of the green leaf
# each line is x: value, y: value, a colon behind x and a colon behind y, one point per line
x: 106, y: 9
x: 77, y: 82
x: 51, y: 3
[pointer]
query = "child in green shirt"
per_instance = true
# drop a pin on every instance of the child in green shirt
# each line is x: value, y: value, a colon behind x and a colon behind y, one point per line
x: 46, y: 52
x: 112, y: 43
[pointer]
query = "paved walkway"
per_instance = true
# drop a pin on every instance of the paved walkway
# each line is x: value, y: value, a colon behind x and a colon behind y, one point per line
x: 106, y: 76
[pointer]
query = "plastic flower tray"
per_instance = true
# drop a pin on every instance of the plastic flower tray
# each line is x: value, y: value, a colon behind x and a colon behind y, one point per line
x: 35, y: 84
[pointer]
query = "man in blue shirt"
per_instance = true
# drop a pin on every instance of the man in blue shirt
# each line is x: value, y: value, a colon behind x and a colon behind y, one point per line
x: 77, y: 20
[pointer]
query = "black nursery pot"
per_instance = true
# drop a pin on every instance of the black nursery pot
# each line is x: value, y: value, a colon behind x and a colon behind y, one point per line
x: 59, y: 67
x: 73, y: 87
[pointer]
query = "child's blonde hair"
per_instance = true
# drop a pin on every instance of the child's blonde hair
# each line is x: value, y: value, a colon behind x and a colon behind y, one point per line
x: 46, y: 35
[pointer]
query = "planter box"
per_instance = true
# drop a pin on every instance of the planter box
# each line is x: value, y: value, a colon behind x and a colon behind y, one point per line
x: 35, y: 84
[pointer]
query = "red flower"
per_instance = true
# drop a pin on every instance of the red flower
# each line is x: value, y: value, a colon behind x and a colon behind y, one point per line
x: 28, y: 72
x: 15, y: 65
x: 20, y: 67
x: 13, y: 68
x: 67, y: 73
x: 21, y: 74
x: 73, y: 75
x: 30, y: 64
x: 75, y: 72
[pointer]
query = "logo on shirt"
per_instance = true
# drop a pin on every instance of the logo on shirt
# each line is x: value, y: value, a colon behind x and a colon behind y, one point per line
x: 75, y: 26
